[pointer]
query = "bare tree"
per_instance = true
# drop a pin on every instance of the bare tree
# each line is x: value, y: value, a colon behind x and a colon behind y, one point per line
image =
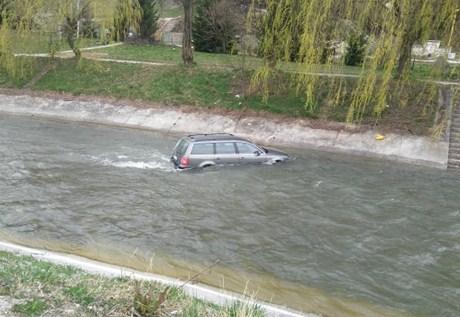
x: 72, y: 14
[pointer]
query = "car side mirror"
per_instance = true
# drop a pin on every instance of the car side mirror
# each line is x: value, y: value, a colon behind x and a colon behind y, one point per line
x: 257, y: 153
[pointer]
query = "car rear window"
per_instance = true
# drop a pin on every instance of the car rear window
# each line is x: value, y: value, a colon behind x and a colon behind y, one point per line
x: 245, y: 148
x: 225, y: 148
x: 182, y: 147
x: 203, y: 149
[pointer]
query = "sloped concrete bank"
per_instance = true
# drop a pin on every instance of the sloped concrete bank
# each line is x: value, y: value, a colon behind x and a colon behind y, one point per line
x: 200, y: 291
x: 415, y: 149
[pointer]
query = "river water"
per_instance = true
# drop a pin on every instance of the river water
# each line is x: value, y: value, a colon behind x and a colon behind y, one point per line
x: 325, y: 233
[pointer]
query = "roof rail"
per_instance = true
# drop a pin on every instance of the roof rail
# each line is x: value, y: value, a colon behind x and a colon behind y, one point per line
x: 209, y: 134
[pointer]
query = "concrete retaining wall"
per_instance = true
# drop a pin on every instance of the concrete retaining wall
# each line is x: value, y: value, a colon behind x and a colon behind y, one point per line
x: 414, y: 149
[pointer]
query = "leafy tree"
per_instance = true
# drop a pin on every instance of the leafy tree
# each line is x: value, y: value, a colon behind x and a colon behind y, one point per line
x: 88, y: 26
x: 15, y: 25
x: 356, y: 48
x: 128, y: 14
x: 5, y: 7
x: 149, y: 23
x: 215, y: 26
x: 48, y: 18
x: 392, y: 27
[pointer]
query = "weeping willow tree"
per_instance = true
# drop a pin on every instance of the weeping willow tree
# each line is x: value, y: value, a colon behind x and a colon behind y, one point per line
x: 128, y: 14
x: 309, y: 32
x: 4, y: 7
x: 17, y: 19
x: 26, y: 21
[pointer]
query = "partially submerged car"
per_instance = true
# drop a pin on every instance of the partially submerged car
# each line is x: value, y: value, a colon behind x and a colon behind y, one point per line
x: 204, y: 150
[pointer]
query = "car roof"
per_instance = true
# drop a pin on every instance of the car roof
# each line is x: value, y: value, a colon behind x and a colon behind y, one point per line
x: 214, y: 137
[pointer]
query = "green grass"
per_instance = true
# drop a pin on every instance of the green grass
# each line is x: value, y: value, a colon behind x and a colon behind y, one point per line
x: 31, y: 67
x: 9, y: 82
x: 238, y: 309
x: 80, y: 294
x: 227, y: 89
x: 39, y: 43
x: 171, y: 85
x: 39, y: 288
x: 166, y: 54
x: 428, y: 71
x: 31, y: 308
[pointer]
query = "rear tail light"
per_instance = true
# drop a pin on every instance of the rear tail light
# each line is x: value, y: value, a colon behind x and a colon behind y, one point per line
x: 184, y: 161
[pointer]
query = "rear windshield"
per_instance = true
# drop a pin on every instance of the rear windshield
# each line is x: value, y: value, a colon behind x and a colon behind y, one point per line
x: 203, y: 149
x: 182, y: 147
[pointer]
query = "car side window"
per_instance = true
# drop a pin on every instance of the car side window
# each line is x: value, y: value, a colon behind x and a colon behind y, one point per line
x: 245, y: 148
x: 203, y: 149
x: 225, y: 148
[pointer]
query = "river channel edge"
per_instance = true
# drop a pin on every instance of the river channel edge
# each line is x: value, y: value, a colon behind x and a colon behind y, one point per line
x: 268, y: 130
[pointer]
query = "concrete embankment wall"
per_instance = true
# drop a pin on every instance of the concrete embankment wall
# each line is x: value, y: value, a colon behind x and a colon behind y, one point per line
x: 296, y: 133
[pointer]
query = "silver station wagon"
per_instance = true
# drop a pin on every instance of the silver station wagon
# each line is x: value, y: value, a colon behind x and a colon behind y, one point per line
x: 204, y: 150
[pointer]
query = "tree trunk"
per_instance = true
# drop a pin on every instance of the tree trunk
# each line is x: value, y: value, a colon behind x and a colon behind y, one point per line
x: 187, y: 52
x: 73, y: 47
x: 404, y: 57
x: 77, y: 53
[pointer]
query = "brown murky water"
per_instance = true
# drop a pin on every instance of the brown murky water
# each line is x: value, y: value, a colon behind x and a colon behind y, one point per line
x: 326, y: 233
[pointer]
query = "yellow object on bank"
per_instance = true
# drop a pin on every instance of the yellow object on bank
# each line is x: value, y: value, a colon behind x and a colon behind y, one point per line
x: 380, y: 137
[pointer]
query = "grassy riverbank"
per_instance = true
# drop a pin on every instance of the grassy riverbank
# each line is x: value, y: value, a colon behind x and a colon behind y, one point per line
x: 30, y: 288
x: 221, y: 88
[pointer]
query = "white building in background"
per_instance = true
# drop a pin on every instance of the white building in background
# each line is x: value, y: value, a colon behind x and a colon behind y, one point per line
x: 432, y: 49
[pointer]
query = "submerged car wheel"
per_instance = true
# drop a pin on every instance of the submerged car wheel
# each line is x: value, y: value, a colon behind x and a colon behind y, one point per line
x: 207, y: 165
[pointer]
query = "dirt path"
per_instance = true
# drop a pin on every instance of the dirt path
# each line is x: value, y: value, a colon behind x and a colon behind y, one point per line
x: 68, y: 53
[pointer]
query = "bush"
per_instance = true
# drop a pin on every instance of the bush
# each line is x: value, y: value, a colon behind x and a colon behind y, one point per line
x: 149, y: 22
x: 216, y: 25
x: 356, y: 48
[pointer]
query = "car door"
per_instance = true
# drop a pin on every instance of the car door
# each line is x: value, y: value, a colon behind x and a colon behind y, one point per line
x: 202, y: 153
x: 226, y: 153
x: 249, y: 153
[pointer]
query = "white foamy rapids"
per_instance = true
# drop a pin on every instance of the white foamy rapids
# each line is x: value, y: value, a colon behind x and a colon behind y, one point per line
x: 139, y: 164
x: 155, y: 161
